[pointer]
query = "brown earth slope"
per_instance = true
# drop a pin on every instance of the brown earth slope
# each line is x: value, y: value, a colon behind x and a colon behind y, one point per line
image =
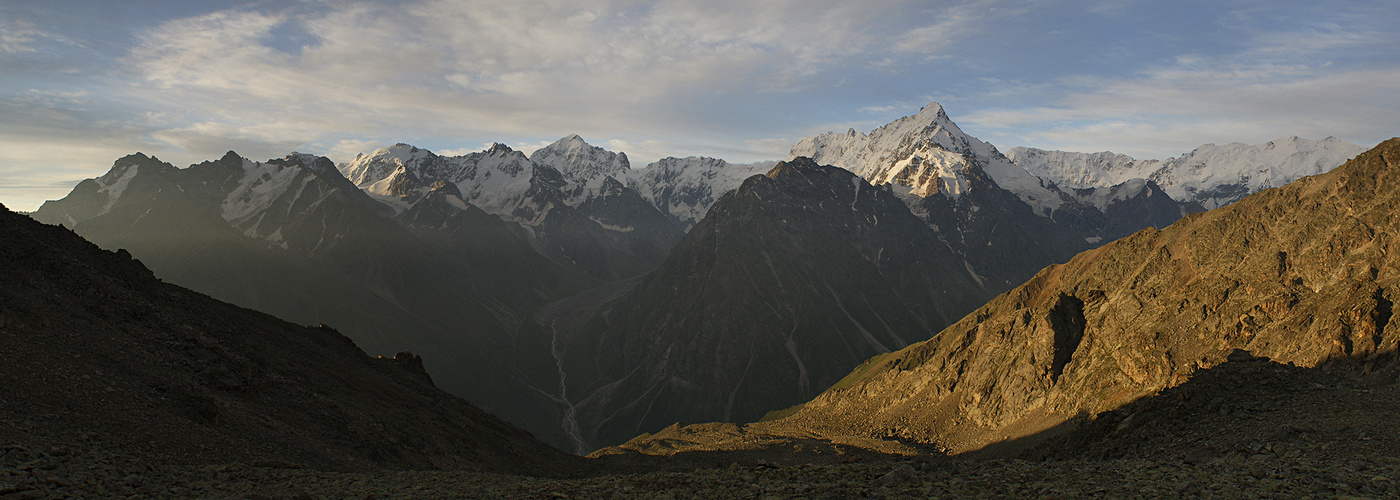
x: 1303, y: 275
x: 99, y: 359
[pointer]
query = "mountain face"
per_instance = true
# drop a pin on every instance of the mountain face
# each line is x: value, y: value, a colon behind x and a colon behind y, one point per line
x: 786, y: 284
x: 580, y: 161
x: 575, y: 209
x: 147, y: 372
x: 1211, y: 176
x: 1301, y: 274
x: 685, y: 188
x: 230, y: 227
x: 996, y: 217
x: 926, y: 154
x: 1009, y: 215
x: 294, y: 238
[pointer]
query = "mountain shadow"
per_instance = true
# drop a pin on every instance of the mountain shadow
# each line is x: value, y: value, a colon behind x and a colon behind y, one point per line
x: 102, y: 359
x: 786, y: 284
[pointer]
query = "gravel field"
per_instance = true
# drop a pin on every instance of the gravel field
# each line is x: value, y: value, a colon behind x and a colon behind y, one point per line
x: 30, y: 475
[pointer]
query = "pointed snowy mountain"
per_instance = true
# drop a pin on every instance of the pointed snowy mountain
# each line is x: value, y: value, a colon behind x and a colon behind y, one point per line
x: 1210, y: 176
x: 580, y: 161
x: 685, y: 188
x: 926, y: 154
x: 994, y: 215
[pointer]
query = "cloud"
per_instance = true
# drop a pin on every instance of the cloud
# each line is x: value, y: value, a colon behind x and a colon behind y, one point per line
x: 1165, y: 113
x: 677, y: 78
x: 776, y: 147
x: 477, y: 69
x: 17, y: 36
x: 527, y: 147
x: 948, y: 27
x: 211, y: 140
x: 345, y: 150
x: 1278, y: 83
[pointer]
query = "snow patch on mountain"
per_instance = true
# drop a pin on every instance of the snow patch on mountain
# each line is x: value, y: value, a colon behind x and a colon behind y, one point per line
x: 928, y: 172
x: 117, y: 187
x: 1102, y: 197
x: 261, y: 185
x: 1210, y: 175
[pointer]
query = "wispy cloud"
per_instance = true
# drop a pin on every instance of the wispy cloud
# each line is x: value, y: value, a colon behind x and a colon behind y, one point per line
x: 734, y: 79
x: 474, y: 68
x: 17, y: 36
x: 1275, y: 85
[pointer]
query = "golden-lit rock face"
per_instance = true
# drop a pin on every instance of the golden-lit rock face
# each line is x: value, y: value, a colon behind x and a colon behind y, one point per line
x: 1303, y: 274
x: 927, y: 172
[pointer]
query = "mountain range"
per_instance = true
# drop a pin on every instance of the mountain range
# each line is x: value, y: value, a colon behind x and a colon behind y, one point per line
x: 1301, y: 275
x: 1210, y: 176
x: 587, y: 301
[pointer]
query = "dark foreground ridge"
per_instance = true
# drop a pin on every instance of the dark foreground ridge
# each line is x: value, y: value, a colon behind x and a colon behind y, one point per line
x: 101, y: 360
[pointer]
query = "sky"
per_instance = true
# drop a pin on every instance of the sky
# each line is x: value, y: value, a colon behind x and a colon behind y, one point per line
x: 83, y: 83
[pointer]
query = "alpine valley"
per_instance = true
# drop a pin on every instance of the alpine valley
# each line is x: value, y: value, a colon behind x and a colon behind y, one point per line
x: 590, y: 302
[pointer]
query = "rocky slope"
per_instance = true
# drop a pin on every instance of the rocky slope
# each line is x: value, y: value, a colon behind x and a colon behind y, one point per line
x: 786, y: 284
x: 104, y: 362
x: 1301, y: 274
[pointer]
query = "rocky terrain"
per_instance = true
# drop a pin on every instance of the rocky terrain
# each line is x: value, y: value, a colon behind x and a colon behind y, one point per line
x: 1301, y: 274
x: 1249, y: 428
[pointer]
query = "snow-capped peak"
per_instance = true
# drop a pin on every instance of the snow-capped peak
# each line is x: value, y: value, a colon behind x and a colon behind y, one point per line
x: 493, y: 180
x: 929, y: 154
x: 367, y: 169
x: 581, y: 162
x: 684, y: 188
